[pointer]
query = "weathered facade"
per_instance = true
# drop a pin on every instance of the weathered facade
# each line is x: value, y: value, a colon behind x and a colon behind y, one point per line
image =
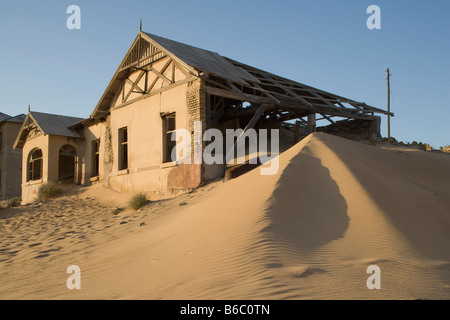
x: 10, y: 159
x: 51, y: 151
x: 163, y: 85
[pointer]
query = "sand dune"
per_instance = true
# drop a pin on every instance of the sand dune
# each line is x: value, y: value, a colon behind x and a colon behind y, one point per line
x: 310, y: 232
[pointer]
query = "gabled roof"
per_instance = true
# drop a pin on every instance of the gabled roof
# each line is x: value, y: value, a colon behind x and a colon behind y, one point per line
x: 146, y: 47
x: 203, y: 60
x: 56, y: 125
x: 49, y: 124
x: 18, y: 119
x: 240, y: 81
x: 4, y: 116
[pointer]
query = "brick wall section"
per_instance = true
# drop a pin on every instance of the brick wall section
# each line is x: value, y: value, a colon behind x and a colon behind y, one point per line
x: 108, y: 156
x: 191, y: 175
x: 196, y: 103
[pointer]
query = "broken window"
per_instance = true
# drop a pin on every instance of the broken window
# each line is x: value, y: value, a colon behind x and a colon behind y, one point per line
x: 168, y: 122
x: 123, y: 148
x: 95, y: 158
x: 35, y: 165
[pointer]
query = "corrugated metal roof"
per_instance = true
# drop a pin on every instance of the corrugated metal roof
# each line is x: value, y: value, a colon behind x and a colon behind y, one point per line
x: 57, y: 125
x: 204, y: 60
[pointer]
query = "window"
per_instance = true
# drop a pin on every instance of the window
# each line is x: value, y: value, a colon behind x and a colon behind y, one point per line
x: 168, y: 127
x: 1, y: 141
x: 35, y: 165
x: 123, y: 148
x: 95, y: 158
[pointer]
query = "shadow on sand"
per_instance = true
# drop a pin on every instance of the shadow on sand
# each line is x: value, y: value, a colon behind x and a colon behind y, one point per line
x: 308, y: 210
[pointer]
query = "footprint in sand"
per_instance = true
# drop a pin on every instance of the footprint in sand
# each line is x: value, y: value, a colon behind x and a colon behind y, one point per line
x: 274, y: 265
x: 49, y: 250
x: 35, y: 244
x: 304, y: 272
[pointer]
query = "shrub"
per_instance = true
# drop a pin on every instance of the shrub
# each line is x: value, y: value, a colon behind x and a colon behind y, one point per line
x: 138, y: 201
x: 14, y: 202
x: 48, y: 191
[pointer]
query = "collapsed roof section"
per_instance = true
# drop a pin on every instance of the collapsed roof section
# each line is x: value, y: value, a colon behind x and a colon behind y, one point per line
x: 235, y: 81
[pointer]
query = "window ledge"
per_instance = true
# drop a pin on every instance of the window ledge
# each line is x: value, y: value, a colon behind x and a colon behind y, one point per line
x: 123, y: 172
x: 168, y: 164
x: 33, y: 182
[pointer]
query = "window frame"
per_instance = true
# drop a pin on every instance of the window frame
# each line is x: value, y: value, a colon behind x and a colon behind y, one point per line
x: 95, y: 156
x: 123, y: 148
x: 168, y: 144
x: 31, y: 165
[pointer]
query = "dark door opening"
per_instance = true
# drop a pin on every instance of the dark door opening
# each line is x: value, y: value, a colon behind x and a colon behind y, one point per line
x: 66, y: 169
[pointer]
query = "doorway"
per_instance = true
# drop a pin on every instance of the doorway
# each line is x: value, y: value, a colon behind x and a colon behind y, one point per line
x: 67, y: 161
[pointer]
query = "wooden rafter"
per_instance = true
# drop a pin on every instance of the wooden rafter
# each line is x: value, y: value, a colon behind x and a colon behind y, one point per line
x: 230, y: 94
x: 292, y: 88
x: 290, y: 92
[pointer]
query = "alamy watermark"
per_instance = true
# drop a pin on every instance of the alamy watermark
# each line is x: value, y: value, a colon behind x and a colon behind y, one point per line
x: 374, y: 21
x: 74, y: 20
x: 374, y: 281
x: 74, y: 280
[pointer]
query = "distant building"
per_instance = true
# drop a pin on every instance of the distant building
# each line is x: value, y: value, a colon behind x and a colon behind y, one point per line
x: 162, y: 85
x: 10, y: 159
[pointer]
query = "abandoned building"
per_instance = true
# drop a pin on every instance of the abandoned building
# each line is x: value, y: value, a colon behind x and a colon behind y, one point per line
x: 51, y: 153
x: 162, y: 85
x: 10, y: 159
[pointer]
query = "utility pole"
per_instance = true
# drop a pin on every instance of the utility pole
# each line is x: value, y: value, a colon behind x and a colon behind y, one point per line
x: 388, y: 103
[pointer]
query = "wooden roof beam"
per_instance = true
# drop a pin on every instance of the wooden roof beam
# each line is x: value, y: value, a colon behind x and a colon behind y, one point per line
x: 290, y: 92
x: 237, y: 95
x: 327, y: 118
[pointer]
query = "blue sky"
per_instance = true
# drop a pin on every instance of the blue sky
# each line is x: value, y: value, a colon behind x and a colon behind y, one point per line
x: 323, y: 43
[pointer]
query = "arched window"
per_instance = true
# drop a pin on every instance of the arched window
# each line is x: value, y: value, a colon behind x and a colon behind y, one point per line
x: 35, y: 165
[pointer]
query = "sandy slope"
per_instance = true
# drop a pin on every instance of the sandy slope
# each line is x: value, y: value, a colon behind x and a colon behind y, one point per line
x: 334, y: 208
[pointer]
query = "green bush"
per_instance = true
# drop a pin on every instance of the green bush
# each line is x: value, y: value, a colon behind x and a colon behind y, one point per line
x: 48, y: 191
x: 138, y: 201
x: 14, y: 202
